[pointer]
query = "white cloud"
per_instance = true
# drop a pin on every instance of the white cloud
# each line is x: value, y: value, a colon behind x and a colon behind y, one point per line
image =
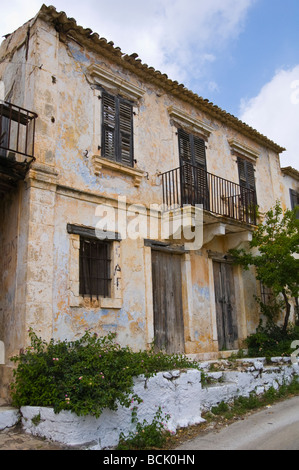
x: 177, y: 37
x: 275, y: 113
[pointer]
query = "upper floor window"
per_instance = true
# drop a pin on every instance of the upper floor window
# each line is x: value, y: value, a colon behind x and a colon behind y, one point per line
x: 117, y: 129
x: 192, y: 149
x: 246, y: 174
x: 194, y: 183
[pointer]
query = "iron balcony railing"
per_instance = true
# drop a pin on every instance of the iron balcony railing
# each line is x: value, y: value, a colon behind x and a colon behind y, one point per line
x: 17, y: 131
x: 191, y: 185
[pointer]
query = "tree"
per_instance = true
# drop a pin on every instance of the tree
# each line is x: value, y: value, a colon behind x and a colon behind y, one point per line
x: 273, y: 250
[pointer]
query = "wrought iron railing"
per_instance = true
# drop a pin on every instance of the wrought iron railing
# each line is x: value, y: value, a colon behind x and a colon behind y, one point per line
x: 17, y: 131
x: 191, y: 185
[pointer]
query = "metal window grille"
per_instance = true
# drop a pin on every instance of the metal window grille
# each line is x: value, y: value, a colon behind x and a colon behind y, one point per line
x: 95, y: 268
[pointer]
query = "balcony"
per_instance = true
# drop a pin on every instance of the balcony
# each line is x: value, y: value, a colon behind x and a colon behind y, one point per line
x: 17, y: 131
x: 191, y: 185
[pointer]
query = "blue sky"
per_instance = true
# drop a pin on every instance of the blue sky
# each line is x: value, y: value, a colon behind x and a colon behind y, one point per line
x: 243, y: 55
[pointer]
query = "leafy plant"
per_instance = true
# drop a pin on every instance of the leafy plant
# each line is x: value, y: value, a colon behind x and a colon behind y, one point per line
x: 86, y: 375
x: 146, y: 435
x: 273, y: 250
x: 272, y: 340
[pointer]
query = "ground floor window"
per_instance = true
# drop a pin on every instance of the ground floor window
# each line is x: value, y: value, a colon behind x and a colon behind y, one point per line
x: 94, y: 268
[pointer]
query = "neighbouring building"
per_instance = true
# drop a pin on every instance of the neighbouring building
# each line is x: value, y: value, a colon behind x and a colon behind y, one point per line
x: 121, y: 194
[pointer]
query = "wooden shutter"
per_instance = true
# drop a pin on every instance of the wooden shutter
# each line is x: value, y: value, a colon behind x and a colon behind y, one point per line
x: 184, y: 146
x: 246, y: 174
x: 201, y: 173
x: 248, y: 194
x: 109, y: 126
x: 126, y: 133
x: 187, y: 171
x: 192, y: 151
x: 200, y: 152
x: 117, y: 140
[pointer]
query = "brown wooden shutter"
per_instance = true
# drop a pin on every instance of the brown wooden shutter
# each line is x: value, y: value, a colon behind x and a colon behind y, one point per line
x: 192, y: 151
x: 187, y: 170
x: 246, y: 174
x: 109, y: 126
x: 200, y: 152
x: 126, y: 133
x: 117, y: 140
x: 184, y: 146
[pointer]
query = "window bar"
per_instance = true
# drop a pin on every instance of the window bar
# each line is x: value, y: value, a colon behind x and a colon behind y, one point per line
x: 18, y: 131
x: 169, y: 184
x: 9, y: 127
x: 33, y: 138
x: 26, y: 139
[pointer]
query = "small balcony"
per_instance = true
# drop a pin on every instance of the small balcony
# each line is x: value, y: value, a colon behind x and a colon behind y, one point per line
x: 191, y: 185
x: 17, y: 131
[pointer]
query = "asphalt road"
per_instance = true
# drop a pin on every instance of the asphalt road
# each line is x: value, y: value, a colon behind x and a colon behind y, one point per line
x: 274, y: 428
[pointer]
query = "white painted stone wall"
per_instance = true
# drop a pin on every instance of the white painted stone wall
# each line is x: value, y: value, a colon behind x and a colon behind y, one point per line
x: 180, y: 393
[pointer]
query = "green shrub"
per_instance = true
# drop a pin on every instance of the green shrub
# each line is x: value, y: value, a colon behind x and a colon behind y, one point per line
x: 271, y: 340
x: 86, y: 375
x: 146, y: 435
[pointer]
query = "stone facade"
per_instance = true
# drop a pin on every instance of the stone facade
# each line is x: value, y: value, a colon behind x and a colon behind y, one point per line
x: 62, y: 72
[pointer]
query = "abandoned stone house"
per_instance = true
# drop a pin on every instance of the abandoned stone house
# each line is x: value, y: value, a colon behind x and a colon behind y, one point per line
x: 121, y: 194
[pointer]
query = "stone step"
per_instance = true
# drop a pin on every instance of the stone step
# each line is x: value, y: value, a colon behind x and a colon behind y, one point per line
x: 9, y: 417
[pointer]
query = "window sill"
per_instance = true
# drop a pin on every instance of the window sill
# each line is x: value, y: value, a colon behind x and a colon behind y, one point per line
x: 100, y: 162
x: 101, y: 302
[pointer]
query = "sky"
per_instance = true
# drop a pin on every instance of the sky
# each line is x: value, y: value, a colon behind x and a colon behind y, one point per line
x: 242, y: 55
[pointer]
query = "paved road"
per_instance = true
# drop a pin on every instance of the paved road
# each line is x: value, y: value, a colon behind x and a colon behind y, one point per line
x: 274, y: 428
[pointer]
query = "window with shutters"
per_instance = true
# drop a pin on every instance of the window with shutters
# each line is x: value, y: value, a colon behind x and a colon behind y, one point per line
x: 246, y: 174
x: 94, y: 268
x: 247, y: 181
x: 192, y: 153
x: 117, y: 129
x: 192, y: 149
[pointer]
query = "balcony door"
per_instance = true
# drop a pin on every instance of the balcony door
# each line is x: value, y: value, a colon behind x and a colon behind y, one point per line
x: 194, y: 183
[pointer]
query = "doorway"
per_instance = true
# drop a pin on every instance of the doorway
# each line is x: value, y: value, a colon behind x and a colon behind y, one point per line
x: 226, y: 315
x: 167, y: 302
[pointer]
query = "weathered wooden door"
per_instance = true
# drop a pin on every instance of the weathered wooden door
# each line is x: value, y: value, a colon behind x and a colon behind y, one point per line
x: 226, y: 314
x: 167, y: 302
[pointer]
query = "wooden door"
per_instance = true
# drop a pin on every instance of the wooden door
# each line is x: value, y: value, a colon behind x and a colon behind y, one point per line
x: 167, y: 302
x: 226, y: 315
